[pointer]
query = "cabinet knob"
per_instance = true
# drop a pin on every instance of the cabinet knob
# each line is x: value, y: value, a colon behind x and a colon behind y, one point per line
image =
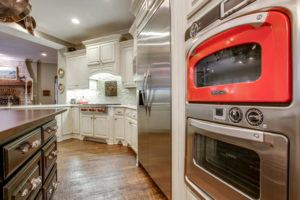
x: 25, y: 192
x: 35, y: 182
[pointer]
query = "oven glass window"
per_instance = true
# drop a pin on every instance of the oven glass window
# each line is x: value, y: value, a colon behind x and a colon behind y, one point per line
x: 238, y: 64
x: 235, y: 165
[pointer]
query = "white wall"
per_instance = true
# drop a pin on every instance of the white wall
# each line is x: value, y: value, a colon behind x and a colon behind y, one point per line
x: 125, y: 96
x: 48, y: 73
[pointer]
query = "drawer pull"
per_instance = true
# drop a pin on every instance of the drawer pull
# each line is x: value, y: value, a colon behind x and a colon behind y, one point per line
x: 25, y: 147
x: 35, y: 182
x: 50, y: 191
x: 54, y: 153
x: 25, y: 192
x: 55, y: 184
x: 53, y: 129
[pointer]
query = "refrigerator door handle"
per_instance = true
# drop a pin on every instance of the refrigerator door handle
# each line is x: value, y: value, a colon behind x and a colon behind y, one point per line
x: 144, y: 92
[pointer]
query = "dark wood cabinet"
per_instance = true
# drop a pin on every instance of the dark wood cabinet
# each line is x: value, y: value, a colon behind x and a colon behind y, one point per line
x: 49, y: 130
x: 28, y: 170
x: 50, y: 184
x: 26, y: 183
x: 17, y: 152
x: 49, y: 156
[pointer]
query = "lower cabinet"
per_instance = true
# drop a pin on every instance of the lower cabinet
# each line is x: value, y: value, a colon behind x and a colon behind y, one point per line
x: 131, y: 132
x: 119, y: 129
x: 51, y: 184
x: 75, y: 120
x: 101, y: 127
x: 86, y: 124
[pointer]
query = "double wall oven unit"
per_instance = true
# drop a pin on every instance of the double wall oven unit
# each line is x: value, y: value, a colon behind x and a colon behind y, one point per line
x: 242, y: 127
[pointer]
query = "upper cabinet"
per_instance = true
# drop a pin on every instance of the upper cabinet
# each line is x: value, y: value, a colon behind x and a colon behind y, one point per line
x: 127, y: 64
x: 93, y: 53
x: 107, y: 52
x: 77, y: 74
x: 103, y: 54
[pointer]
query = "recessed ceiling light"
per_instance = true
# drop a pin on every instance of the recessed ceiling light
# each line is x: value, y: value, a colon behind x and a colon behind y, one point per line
x: 75, y: 21
x: 43, y: 54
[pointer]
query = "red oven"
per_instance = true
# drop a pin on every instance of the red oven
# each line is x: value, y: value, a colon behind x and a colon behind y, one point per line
x: 250, y: 62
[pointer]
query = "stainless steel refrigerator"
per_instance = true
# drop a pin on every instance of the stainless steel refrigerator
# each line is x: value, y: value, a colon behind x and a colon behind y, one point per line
x: 154, y: 96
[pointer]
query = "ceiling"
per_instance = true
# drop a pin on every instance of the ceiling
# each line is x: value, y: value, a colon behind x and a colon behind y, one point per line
x: 15, y: 48
x: 97, y: 17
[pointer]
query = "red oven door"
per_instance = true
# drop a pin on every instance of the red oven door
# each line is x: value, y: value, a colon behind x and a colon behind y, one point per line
x: 246, y: 63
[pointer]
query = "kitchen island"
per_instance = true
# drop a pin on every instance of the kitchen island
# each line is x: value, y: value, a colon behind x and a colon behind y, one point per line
x: 28, y: 153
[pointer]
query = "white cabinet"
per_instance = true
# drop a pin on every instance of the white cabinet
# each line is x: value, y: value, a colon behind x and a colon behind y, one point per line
x: 77, y: 75
x: 103, y: 54
x: 101, y: 127
x: 67, y: 122
x: 107, y: 51
x: 119, y: 129
x: 92, y: 53
x: 75, y: 120
x: 131, y: 132
x: 127, y: 64
x: 134, y: 137
x: 86, y: 125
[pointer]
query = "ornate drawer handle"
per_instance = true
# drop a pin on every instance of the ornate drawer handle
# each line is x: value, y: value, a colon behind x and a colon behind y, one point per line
x: 53, y: 129
x: 25, y: 147
x: 55, y: 184
x: 25, y: 192
x: 53, y: 154
x: 50, y: 191
x: 35, y: 182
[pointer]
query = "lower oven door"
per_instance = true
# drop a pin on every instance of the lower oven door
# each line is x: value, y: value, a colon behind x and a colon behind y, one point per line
x: 230, y: 163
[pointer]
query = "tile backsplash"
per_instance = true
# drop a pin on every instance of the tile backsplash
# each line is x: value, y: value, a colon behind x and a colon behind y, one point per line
x: 97, y: 95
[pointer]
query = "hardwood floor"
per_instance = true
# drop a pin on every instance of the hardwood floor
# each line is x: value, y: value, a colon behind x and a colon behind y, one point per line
x: 94, y: 171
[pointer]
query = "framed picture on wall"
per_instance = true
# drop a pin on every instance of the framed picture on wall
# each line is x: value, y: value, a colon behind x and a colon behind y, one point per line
x: 111, y: 88
x: 8, y: 73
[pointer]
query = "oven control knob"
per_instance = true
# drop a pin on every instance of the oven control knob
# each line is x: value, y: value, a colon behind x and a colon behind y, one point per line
x: 254, y: 117
x: 235, y: 115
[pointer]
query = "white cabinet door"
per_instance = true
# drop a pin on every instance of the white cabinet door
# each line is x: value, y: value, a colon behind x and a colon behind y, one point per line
x: 107, y: 52
x: 134, y: 136
x: 67, y: 122
x: 86, y: 125
x: 76, y: 120
x: 77, y: 74
x: 128, y: 134
x: 93, y: 55
x: 100, y: 127
x: 119, y: 128
x: 127, y: 66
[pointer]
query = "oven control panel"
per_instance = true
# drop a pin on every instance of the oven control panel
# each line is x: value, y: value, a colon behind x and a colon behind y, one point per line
x: 252, y: 116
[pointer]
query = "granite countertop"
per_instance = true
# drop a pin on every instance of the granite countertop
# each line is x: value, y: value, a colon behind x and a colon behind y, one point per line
x: 16, y: 122
x: 54, y: 106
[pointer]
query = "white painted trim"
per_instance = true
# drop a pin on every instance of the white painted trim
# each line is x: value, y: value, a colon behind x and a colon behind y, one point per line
x: 113, y: 37
x: 178, y: 24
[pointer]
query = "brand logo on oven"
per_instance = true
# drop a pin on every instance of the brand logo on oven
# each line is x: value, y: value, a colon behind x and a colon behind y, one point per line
x: 218, y: 92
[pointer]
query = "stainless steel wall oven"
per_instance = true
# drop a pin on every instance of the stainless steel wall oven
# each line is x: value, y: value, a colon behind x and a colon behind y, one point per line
x: 242, y: 128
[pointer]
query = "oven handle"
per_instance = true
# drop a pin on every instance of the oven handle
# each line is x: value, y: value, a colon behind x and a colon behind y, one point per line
x: 240, y: 133
x: 256, y: 19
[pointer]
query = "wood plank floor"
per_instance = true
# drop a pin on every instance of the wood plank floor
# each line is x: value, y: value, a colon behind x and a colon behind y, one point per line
x: 94, y: 171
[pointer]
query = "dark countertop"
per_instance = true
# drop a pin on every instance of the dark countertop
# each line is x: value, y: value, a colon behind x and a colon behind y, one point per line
x: 14, y: 123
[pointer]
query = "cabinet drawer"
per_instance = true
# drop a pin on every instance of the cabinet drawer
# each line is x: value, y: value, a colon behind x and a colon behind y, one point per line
x: 27, y: 183
x: 131, y: 114
x: 17, y: 152
x: 119, y: 111
x: 49, y: 156
x: 51, y: 184
x: 49, y: 130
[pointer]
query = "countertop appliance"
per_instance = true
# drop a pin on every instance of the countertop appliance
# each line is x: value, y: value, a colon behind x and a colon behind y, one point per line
x: 154, y: 97
x: 242, y: 125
